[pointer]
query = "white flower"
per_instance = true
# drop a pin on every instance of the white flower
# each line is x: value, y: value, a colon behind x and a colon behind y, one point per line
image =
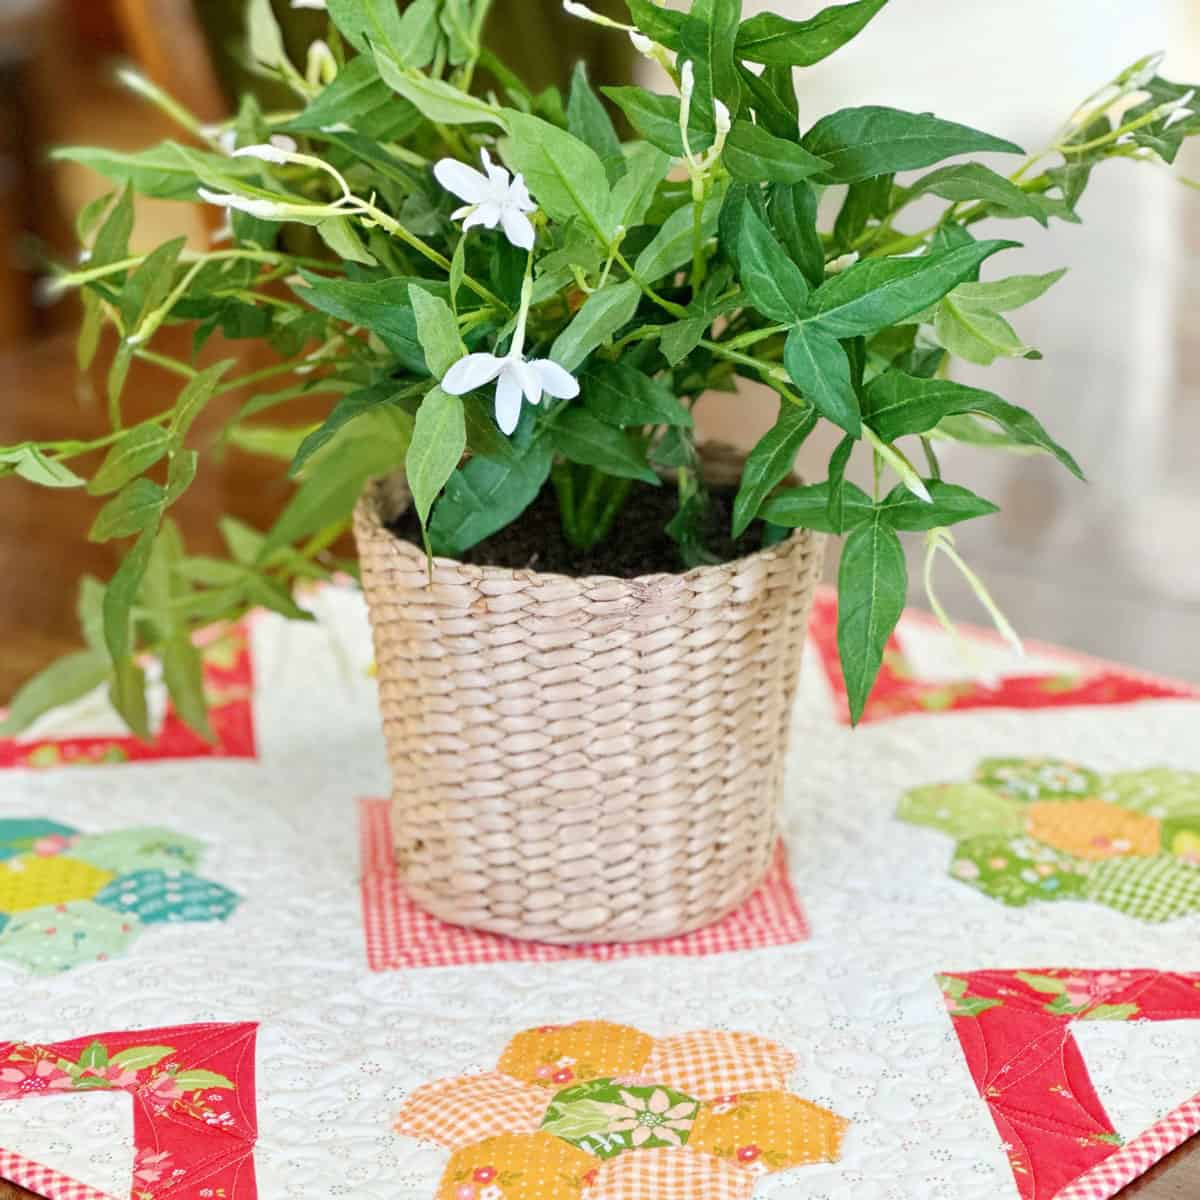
x: 280, y: 149
x: 256, y: 207
x: 515, y: 377
x: 642, y: 44
x: 492, y: 198
x: 724, y: 121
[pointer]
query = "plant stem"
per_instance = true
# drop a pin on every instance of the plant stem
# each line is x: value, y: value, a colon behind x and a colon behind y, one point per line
x: 676, y: 310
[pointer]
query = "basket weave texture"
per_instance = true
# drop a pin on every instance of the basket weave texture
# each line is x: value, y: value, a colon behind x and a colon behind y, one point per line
x: 583, y: 759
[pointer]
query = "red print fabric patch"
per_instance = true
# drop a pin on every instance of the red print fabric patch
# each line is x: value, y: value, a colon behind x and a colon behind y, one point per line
x: 900, y: 692
x: 401, y: 935
x: 228, y: 688
x: 1015, y: 1028
x: 192, y: 1089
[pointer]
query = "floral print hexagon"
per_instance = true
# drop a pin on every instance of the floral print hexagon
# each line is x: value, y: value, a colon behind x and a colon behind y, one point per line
x: 1032, y: 829
x: 68, y: 898
x: 598, y: 1111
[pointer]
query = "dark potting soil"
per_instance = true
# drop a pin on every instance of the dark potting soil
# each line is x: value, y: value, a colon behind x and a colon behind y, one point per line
x: 638, y: 544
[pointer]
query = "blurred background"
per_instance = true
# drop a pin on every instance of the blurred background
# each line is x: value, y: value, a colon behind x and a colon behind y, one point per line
x: 1111, y: 568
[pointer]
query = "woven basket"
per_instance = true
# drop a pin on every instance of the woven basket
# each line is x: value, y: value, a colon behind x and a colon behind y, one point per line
x: 584, y: 759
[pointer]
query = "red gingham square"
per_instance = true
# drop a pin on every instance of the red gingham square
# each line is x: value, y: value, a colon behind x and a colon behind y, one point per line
x: 43, y: 1181
x: 1137, y: 1156
x: 400, y: 935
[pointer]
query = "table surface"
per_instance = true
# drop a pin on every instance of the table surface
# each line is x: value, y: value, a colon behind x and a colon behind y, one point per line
x: 44, y: 548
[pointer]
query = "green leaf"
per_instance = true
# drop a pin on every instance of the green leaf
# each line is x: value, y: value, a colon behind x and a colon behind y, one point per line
x: 167, y: 171
x: 128, y: 457
x: 326, y: 498
x: 588, y: 121
x: 31, y: 464
x: 196, y: 393
x: 1046, y: 984
x: 63, y: 681
x: 655, y: 117
x: 359, y: 98
x: 437, y: 331
x: 94, y: 1055
x: 181, y: 474
x: 438, y: 441
x: 150, y: 284
x: 382, y: 305
x: 769, y: 38
x: 645, y: 168
x: 565, y: 175
x: 793, y: 213
x: 485, y: 495
x: 120, y: 594
x: 264, y: 37
x: 194, y: 1081
x: 441, y: 102
x: 976, y: 333
x: 1004, y: 295
x: 138, y: 1058
x: 769, y: 463
x: 183, y: 673
x: 872, y: 585
x: 707, y: 39
x: 348, y: 409
x: 818, y: 366
x: 773, y: 99
x: 583, y: 438
x: 367, y: 23
x: 951, y: 504
x: 859, y: 143
x: 660, y: 25
x: 809, y: 508
x: 137, y: 506
x: 127, y: 695
x: 112, y: 242
x: 772, y: 282
x: 866, y: 199
x: 601, y: 316
x: 672, y: 246
x: 753, y: 155
x: 974, y: 181
x: 838, y: 462
x: 1111, y: 1012
x: 621, y: 395
x: 338, y: 234
x: 895, y: 404
x: 879, y: 292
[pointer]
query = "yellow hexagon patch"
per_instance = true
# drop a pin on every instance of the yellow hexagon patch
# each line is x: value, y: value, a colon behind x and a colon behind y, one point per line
x: 555, y: 1056
x: 768, y: 1131
x: 533, y: 1166
x: 31, y: 882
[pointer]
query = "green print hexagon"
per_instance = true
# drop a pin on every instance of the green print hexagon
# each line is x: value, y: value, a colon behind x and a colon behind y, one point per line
x: 68, y: 898
x: 1040, y: 829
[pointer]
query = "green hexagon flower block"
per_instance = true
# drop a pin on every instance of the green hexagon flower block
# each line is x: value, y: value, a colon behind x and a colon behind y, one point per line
x: 68, y: 898
x: 1044, y: 829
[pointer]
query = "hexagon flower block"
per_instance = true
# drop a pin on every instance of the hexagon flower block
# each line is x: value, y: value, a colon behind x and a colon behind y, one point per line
x: 598, y: 1111
x: 68, y: 898
x: 1043, y: 829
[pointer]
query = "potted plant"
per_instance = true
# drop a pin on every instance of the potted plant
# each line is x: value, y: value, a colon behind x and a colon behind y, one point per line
x: 588, y: 626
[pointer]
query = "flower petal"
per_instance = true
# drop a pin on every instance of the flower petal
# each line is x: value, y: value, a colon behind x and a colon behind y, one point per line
x: 623, y: 1126
x: 465, y: 182
x: 517, y: 227
x: 508, y: 400
x: 472, y: 372
x: 496, y: 174
x: 487, y: 215
x: 668, y: 1135
x: 556, y: 381
x: 641, y: 1135
x: 684, y: 1109
x: 519, y: 197
x: 659, y: 1101
x: 529, y: 379
x: 634, y: 1102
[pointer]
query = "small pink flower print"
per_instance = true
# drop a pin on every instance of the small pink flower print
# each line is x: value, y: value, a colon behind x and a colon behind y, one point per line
x: 465, y: 1191
x: 565, y: 1062
x: 23, y: 1079
x: 748, y: 1154
x: 161, y: 1090
x: 724, y: 1104
x: 150, y: 1167
x: 48, y: 847
x: 220, y: 1120
x: 543, y: 1072
x: 484, y: 1174
x: 563, y: 1076
x: 589, y: 1180
x: 121, y: 1079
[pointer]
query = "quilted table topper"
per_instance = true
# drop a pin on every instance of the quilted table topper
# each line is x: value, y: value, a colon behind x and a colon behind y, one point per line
x: 973, y: 972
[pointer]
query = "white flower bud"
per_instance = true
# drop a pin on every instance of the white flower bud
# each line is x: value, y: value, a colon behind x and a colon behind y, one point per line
x: 266, y: 151
x: 641, y: 43
x: 687, y: 81
x: 724, y: 121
